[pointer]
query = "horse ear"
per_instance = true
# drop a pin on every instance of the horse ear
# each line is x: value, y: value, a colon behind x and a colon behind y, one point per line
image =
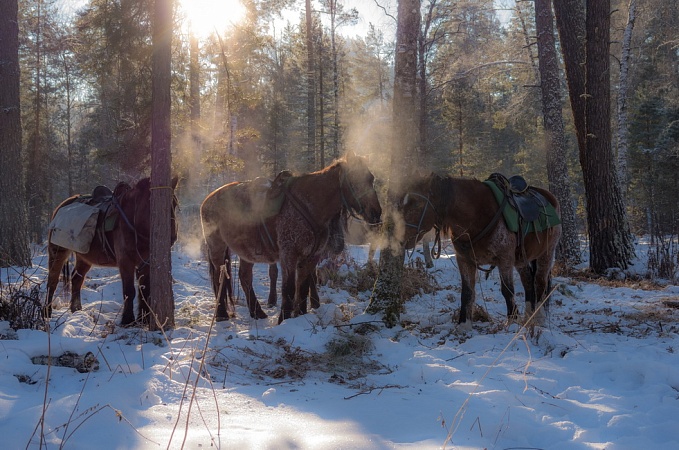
x: 350, y: 155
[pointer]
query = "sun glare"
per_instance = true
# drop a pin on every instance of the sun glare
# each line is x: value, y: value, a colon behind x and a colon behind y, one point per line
x: 205, y: 16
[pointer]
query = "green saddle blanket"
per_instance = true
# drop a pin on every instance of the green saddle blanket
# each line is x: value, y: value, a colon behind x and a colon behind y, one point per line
x: 546, y: 219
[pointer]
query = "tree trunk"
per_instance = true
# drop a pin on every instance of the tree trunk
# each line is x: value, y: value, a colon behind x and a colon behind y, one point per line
x: 570, y: 21
x: 387, y: 293
x: 161, y: 303
x: 311, y: 86
x: 625, y: 57
x: 335, y: 82
x: 610, y: 241
x: 557, y: 171
x: 14, y: 250
x: 192, y: 182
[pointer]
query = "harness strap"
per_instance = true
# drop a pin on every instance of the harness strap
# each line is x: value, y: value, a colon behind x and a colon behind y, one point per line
x: 490, y: 225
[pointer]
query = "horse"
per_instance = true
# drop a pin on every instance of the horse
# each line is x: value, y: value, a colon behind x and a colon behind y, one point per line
x: 121, y: 240
x: 296, y: 234
x: 334, y: 247
x: 469, y: 211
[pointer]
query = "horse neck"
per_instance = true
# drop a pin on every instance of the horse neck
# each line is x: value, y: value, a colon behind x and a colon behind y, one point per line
x: 128, y: 204
x: 320, y: 192
x: 460, y: 202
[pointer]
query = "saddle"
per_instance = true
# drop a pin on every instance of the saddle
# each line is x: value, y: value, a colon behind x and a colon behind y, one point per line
x: 527, y: 209
x: 102, y: 199
x: 75, y: 225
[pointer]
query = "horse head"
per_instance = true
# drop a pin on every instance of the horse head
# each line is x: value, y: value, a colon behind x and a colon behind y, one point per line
x: 358, y: 190
x: 418, y: 207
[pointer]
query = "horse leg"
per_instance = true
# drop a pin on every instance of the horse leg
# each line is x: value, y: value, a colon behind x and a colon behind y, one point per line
x: 56, y: 259
x: 143, y: 274
x: 287, y: 290
x: 314, y: 298
x: 304, y: 280
x: 127, y: 273
x: 542, y: 270
x: 77, y: 279
x: 245, y: 277
x: 273, y: 280
x: 468, y: 295
x: 507, y: 289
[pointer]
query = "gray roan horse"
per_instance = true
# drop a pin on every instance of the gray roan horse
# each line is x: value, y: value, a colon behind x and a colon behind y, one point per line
x: 296, y: 234
x: 125, y: 245
x: 467, y: 209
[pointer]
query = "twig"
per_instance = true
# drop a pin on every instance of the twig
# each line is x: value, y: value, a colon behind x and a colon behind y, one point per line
x: 370, y: 389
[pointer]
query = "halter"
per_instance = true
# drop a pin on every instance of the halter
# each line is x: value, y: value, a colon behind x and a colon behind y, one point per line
x: 418, y: 228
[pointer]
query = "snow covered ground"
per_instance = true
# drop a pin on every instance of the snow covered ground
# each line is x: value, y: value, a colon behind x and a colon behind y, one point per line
x: 603, y: 373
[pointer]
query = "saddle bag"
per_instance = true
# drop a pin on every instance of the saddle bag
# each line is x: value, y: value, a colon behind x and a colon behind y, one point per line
x: 73, y: 227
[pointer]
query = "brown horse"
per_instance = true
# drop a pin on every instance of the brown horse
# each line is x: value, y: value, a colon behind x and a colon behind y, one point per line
x: 468, y: 210
x: 297, y: 235
x: 334, y: 247
x: 124, y: 244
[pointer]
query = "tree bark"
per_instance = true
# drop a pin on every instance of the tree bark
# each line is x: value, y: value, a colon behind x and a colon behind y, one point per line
x: 625, y: 57
x: 588, y: 73
x: 311, y: 86
x: 161, y: 303
x: 14, y: 250
x: 386, y: 295
x: 557, y: 170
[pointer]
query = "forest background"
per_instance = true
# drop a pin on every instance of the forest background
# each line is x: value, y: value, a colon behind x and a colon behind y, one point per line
x: 266, y: 92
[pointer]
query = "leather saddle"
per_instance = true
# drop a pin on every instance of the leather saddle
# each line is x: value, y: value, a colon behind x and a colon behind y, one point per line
x: 528, y: 202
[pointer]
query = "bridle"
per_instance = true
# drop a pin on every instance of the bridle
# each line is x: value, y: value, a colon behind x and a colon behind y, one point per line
x: 428, y: 204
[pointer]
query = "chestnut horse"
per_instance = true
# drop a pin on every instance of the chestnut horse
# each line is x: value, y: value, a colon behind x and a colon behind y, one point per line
x: 296, y: 235
x: 468, y: 210
x: 125, y: 246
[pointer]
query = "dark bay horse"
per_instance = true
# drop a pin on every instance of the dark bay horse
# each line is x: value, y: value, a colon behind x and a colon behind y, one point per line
x: 468, y: 210
x: 125, y: 245
x: 296, y: 236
